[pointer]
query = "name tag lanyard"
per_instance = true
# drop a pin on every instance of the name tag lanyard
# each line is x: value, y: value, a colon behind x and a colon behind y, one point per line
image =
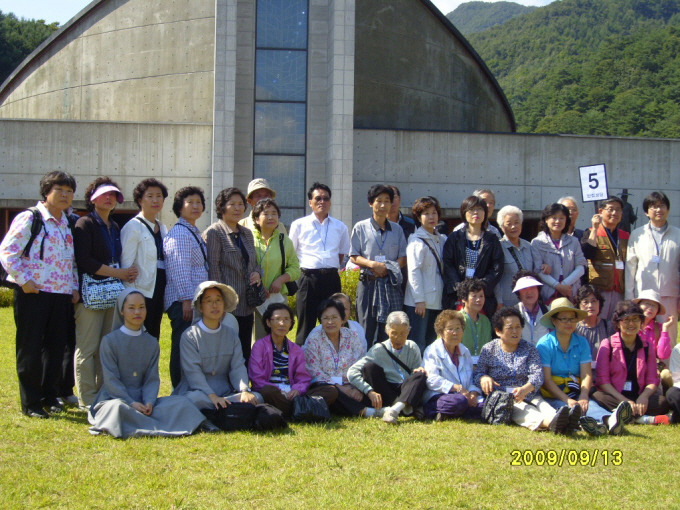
x: 381, y: 246
x: 475, y: 334
x: 657, y: 257
x: 615, y: 245
x: 325, y: 238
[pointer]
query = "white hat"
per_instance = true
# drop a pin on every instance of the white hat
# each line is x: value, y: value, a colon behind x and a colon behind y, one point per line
x: 525, y: 282
x: 651, y: 295
x: 105, y: 189
x: 228, y: 294
x: 259, y: 183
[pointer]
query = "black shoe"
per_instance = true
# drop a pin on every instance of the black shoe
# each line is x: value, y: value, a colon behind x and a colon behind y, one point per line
x: 53, y: 406
x: 574, y: 417
x: 592, y: 427
x: 560, y: 422
x: 208, y: 426
x: 35, y: 412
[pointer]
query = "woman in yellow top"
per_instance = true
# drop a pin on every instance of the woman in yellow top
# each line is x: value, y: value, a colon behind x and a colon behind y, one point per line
x: 268, y: 242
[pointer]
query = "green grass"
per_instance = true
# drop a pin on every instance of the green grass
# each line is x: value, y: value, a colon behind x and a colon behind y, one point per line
x: 348, y: 463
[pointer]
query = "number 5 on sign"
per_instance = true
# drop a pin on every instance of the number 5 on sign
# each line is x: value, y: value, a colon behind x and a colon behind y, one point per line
x: 593, y: 182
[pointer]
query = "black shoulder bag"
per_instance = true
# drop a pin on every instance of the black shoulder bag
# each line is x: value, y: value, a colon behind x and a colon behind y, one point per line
x: 291, y: 285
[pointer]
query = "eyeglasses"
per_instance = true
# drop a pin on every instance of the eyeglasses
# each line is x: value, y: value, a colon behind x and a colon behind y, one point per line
x: 612, y: 210
x: 322, y: 198
x: 567, y: 320
x: 632, y: 320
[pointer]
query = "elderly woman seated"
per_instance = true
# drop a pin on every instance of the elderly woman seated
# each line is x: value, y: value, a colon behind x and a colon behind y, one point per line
x: 213, y: 369
x: 277, y: 365
x: 390, y: 373
x: 450, y: 392
x: 626, y: 368
x: 127, y: 404
x: 512, y: 364
x: 329, y: 352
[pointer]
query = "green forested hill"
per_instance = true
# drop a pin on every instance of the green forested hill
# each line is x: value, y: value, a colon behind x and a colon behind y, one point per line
x: 602, y: 67
x: 472, y: 17
x: 18, y: 38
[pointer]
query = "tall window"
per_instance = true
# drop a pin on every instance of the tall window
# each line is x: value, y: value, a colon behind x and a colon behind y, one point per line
x: 281, y: 101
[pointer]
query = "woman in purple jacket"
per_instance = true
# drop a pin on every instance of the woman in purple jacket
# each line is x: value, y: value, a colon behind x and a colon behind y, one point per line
x: 277, y: 366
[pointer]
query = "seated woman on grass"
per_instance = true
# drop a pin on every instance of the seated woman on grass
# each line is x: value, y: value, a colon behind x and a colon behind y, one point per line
x: 657, y: 334
x: 450, y: 392
x: 127, y: 404
x: 567, y: 372
x: 213, y: 370
x: 390, y: 374
x: 626, y: 369
x: 277, y: 365
x: 512, y: 364
x: 329, y: 352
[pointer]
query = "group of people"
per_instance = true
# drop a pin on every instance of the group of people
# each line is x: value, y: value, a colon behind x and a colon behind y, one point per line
x: 577, y: 326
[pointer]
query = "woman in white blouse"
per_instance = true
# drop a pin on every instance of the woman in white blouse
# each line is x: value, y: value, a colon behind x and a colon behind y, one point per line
x: 142, y: 240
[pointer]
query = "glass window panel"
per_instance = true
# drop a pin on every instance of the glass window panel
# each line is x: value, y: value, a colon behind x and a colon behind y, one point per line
x: 280, y: 128
x: 286, y: 174
x: 282, y: 24
x: 281, y: 75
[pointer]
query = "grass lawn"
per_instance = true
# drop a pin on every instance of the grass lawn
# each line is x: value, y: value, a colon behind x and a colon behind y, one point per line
x: 348, y: 463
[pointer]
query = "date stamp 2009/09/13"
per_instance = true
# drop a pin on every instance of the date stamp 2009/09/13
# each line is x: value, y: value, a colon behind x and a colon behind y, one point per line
x: 566, y: 457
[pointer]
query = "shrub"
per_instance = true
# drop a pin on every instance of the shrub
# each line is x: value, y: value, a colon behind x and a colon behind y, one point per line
x: 6, y: 297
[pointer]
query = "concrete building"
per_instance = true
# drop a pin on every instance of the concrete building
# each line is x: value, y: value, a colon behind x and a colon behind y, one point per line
x: 346, y: 92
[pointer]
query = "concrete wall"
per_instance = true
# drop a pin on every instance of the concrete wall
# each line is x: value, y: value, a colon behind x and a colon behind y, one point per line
x: 176, y: 154
x: 529, y: 171
x: 122, y: 60
x: 415, y: 71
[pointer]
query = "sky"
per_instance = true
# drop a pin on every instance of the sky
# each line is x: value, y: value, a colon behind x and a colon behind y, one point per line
x: 64, y: 10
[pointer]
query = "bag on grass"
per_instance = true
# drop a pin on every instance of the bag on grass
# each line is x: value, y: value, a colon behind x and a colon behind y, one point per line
x: 269, y: 418
x: 236, y: 416
x: 310, y: 409
x: 497, y: 408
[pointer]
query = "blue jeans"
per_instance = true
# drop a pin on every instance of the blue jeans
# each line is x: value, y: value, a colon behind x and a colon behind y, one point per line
x: 595, y: 410
x: 422, y: 328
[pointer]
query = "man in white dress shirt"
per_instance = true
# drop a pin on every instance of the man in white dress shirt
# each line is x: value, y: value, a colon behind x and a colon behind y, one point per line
x: 321, y: 243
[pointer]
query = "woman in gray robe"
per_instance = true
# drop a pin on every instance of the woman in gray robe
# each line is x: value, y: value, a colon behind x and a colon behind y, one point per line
x: 127, y: 404
x: 213, y: 368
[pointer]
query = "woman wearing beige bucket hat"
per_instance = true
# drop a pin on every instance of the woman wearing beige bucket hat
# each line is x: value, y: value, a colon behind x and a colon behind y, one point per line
x: 213, y: 369
x: 567, y: 371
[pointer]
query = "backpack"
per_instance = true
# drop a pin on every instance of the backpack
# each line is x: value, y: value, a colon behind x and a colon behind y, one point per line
x: 36, y: 227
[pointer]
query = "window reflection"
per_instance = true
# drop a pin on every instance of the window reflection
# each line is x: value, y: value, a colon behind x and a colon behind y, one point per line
x: 281, y: 75
x: 282, y: 24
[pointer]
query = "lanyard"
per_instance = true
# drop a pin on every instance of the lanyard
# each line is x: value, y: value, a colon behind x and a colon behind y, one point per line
x: 325, y: 238
x: 381, y: 246
x: 264, y: 255
x: 334, y: 354
x: 656, y: 245
x: 614, y: 243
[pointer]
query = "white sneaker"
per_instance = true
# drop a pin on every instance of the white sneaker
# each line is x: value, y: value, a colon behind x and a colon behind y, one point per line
x: 390, y: 416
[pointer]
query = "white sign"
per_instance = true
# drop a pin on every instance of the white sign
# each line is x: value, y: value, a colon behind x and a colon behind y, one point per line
x: 593, y: 183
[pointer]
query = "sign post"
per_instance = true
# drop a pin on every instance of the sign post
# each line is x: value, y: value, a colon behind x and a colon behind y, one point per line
x: 593, y: 183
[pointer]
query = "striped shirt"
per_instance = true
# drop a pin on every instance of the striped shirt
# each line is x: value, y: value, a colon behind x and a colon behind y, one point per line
x: 185, y: 262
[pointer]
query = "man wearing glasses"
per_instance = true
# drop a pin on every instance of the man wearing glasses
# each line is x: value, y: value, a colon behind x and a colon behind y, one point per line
x: 605, y: 246
x: 321, y: 243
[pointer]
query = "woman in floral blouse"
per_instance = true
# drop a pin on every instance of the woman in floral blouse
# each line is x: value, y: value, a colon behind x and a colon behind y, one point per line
x: 329, y: 352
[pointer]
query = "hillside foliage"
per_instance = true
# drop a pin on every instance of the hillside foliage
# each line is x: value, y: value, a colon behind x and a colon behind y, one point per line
x: 18, y: 38
x: 591, y: 67
x: 472, y: 17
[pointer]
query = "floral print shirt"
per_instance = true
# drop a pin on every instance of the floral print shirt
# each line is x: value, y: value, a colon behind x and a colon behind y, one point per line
x: 56, y: 272
x: 322, y: 360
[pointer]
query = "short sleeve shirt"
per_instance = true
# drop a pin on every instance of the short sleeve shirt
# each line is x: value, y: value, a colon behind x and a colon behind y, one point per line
x: 564, y: 364
x: 369, y: 241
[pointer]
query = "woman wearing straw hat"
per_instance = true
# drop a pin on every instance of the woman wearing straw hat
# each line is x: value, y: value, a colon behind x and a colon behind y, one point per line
x: 213, y: 369
x: 567, y: 372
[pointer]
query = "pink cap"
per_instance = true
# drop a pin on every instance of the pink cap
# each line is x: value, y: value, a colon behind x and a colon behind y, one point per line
x: 105, y: 189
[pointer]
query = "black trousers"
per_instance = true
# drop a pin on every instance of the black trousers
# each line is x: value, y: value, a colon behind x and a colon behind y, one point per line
x: 154, y: 306
x: 657, y: 402
x: 42, y: 322
x: 68, y: 380
x: 245, y: 334
x: 673, y: 399
x: 409, y: 392
x: 179, y: 326
x: 313, y: 287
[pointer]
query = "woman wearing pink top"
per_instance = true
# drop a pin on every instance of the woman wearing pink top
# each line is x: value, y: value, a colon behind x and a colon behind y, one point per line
x: 626, y: 366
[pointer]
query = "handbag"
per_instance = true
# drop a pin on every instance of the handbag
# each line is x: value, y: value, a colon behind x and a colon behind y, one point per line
x: 311, y: 409
x: 291, y: 286
x: 236, y: 416
x: 100, y: 294
x: 255, y: 294
x: 497, y: 408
